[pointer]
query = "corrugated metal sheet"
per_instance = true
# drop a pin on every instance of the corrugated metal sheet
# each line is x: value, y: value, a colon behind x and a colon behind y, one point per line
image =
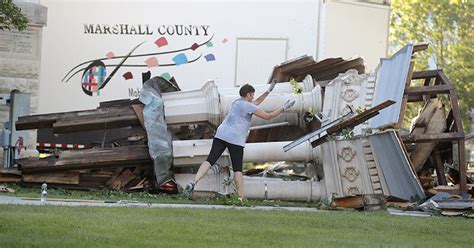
x: 390, y: 85
x: 398, y: 177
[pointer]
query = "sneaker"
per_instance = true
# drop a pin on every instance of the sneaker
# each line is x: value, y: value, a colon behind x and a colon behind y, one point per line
x: 190, y: 187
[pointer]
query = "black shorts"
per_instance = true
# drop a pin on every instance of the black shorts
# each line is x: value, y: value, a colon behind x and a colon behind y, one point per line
x: 236, y: 153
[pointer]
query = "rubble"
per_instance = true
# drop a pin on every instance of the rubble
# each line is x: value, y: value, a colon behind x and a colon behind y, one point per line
x: 344, y: 130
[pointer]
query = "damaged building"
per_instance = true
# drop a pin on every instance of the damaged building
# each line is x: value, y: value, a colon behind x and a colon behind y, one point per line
x: 343, y: 137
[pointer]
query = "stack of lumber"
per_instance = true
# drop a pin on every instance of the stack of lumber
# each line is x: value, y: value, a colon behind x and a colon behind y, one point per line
x: 120, y: 162
x: 323, y: 70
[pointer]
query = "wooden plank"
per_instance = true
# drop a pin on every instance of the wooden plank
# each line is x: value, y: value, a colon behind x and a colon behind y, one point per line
x: 47, y: 120
x: 116, y: 174
x: 88, y: 159
x: 431, y: 120
x: 429, y: 90
x: 454, y: 102
x: 290, y: 66
x: 138, y: 109
x: 319, y: 66
x: 95, y: 124
x: 419, y: 47
x: 125, y: 177
x: 363, y: 202
x: 67, y: 177
x: 439, y: 168
x: 10, y: 171
x: 139, y: 185
x: 462, y: 166
x: 424, y: 74
x: 337, y: 68
x: 420, y: 98
x: 442, y: 137
x: 360, y: 69
x: 119, y: 103
x: 4, y: 179
x: 449, y: 121
x: 353, y: 121
x: 399, y: 124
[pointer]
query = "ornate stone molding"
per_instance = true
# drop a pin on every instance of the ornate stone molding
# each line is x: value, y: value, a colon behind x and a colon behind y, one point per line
x: 349, y: 94
x: 347, y: 153
x: 351, y: 174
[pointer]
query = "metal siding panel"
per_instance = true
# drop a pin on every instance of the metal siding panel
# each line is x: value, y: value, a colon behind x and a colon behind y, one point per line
x: 401, y: 181
x: 390, y: 85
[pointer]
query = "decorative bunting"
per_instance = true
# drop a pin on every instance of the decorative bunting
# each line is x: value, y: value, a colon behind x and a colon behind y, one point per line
x: 209, y: 44
x: 210, y: 57
x: 194, y: 46
x: 151, y: 62
x: 110, y: 55
x: 166, y: 76
x: 127, y: 75
x: 224, y: 40
x: 180, y: 59
x: 146, y: 76
x: 162, y: 41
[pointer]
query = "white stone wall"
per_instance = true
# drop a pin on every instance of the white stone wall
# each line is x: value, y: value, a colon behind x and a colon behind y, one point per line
x: 20, y: 60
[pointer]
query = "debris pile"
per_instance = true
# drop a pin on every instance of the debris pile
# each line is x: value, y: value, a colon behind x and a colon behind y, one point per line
x: 345, y: 131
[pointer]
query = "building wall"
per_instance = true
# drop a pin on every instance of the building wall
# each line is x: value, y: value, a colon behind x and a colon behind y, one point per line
x: 355, y: 28
x: 248, y: 39
x: 20, y: 60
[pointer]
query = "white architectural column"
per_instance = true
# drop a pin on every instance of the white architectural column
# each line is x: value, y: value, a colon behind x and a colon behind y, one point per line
x: 282, y: 87
x: 194, y: 152
x: 193, y: 106
x: 303, y: 101
x: 259, y: 187
x: 211, y: 105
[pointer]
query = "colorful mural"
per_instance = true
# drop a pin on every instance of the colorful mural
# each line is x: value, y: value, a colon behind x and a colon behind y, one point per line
x: 95, y: 77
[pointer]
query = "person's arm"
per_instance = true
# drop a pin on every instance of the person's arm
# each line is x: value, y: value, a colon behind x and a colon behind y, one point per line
x: 262, y: 97
x: 268, y: 116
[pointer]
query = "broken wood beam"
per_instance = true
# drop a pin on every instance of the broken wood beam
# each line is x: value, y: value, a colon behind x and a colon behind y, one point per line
x: 66, y: 177
x: 439, y: 168
x: 47, y: 120
x: 336, y: 69
x: 95, y: 123
x: 88, y: 159
x: 428, y: 90
x: 318, y: 66
x: 360, y: 202
x: 353, y: 121
x: 442, y: 137
x: 420, y: 47
x: 424, y: 74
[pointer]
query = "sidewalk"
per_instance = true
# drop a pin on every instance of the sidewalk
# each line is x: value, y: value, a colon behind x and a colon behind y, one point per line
x: 11, y: 200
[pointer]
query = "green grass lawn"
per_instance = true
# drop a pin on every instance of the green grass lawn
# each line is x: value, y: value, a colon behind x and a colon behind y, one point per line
x: 107, y: 195
x: 50, y: 226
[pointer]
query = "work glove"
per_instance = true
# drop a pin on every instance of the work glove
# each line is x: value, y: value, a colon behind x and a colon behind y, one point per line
x: 272, y: 85
x: 288, y: 104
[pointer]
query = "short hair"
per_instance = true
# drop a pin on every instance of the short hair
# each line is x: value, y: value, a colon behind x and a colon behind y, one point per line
x: 245, y: 89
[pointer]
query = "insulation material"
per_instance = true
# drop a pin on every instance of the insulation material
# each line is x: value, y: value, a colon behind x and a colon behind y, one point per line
x: 159, y: 138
